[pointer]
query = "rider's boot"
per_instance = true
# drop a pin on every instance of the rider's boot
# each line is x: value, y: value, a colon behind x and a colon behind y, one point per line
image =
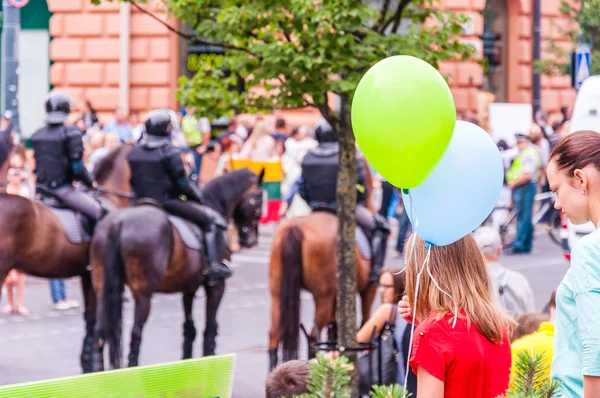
x: 378, y: 247
x: 214, y: 247
x: 104, y: 210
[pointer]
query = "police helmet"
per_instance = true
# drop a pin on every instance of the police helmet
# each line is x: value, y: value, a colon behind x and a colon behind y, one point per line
x: 58, y: 107
x: 159, y: 123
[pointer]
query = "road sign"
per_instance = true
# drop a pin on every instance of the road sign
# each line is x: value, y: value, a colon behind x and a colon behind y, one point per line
x: 583, y: 64
x: 18, y: 3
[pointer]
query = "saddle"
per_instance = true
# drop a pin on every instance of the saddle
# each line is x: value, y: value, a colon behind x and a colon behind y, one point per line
x: 362, y: 240
x: 190, y: 233
x: 78, y: 228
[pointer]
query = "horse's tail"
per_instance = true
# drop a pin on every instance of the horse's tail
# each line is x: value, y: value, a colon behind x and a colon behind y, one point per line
x: 291, y: 284
x: 112, y: 298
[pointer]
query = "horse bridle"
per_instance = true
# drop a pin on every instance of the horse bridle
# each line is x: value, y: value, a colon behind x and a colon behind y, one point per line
x: 256, y: 202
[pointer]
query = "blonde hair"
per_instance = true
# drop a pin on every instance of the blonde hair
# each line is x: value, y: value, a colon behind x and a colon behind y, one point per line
x: 460, y: 270
x: 261, y: 129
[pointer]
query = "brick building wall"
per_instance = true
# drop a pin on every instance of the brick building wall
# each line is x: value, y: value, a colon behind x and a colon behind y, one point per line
x: 465, y: 78
x: 85, y: 53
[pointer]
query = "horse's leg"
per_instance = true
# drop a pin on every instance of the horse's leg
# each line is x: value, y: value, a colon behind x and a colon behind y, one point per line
x: 142, y: 310
x: 6, y: 264
x: 275, y: 330
x: 89, y: 316
x: 189, y: 330
x: 324, y: 308
x: 99, y: 339
x: 214, y: 295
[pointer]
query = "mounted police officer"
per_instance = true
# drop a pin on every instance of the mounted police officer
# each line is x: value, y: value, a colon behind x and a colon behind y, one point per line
x: 318, y: 188
x: 58, y: 153
x: 158, y: 173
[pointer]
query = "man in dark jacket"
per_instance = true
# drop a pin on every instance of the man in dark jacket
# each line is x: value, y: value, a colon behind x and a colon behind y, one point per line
x: 58, y: 153
x: 317, y: 187
x: 158, y: 173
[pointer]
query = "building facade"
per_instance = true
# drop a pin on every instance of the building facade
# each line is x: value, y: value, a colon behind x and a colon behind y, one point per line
x: 115, y: 55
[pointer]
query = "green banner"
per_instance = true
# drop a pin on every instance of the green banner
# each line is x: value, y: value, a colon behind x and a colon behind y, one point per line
x: 208, y: 377
x: 273, y: 190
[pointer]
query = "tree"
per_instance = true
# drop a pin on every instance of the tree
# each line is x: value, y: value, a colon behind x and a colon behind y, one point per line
x: 301, y: 52
x: 584, y: 18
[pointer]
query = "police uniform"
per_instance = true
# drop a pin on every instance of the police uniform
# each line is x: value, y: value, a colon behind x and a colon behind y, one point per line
x: 58, y: 153
x: 318, y: 188
x: 527, y: 162
x: 158, y: 173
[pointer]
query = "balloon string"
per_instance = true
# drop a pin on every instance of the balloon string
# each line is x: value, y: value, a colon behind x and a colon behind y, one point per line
x: 414, y: 317
x: 447, y: 294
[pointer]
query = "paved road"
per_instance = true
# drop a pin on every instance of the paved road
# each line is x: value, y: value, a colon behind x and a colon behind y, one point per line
x: 47, y: 344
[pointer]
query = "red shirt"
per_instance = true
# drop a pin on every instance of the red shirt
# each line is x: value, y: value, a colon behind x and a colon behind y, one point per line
x: 466, y: 361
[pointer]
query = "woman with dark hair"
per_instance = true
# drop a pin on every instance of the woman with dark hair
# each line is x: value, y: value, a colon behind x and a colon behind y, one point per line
x: 574, y: 175
x: 392, y: 284
x: 88, y: 114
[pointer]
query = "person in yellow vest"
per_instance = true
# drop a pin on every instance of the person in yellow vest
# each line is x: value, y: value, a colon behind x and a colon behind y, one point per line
x: 197, y: 136
x: 540, y: 342
x: 522, y: 179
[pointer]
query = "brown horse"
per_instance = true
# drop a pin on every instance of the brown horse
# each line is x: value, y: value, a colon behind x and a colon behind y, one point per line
x: 303, y: 256
x: 34, y: 241
x: 141, y: 246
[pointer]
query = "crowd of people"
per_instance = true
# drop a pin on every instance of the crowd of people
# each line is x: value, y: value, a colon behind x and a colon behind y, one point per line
x: 465, y: 283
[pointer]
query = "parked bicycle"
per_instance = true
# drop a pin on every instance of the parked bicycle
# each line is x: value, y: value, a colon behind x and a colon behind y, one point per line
x: 543, y: 205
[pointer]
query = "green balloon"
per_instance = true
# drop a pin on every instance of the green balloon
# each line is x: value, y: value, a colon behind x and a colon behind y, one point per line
x: 403, y: 116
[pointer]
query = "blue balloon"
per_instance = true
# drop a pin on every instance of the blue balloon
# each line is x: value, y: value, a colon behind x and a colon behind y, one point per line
x: 461, y: 191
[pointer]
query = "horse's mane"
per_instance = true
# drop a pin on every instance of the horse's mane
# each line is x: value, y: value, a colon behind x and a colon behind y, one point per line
x: 219, y: 191
x: 106, y: 165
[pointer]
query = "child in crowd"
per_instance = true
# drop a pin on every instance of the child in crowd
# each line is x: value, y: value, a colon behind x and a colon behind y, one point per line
x: 464, y: 354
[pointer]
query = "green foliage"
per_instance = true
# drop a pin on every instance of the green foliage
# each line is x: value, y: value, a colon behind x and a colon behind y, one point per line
x: 584, y: 16
x: 329, y: 377
x: 531, y: 379
x: 393, y: 391
x: 302, y: 49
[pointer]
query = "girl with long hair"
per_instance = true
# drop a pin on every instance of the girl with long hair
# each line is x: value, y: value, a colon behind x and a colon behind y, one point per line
x: 461, y: 342
x: 574, y: 175
x: 260, y: 145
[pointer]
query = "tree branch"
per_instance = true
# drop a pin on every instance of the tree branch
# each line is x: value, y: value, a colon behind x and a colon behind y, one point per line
x: 397, y: 17
x: 192, y: 39
x: 382, y: 15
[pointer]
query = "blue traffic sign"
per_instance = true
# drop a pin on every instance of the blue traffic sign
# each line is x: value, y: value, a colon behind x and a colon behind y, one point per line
x: 583, y: 64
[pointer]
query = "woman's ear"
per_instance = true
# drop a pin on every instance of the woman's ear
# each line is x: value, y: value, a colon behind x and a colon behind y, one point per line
x: 581, y: 180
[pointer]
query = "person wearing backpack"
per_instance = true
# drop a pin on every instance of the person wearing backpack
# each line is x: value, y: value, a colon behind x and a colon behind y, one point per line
x: 510, y: 288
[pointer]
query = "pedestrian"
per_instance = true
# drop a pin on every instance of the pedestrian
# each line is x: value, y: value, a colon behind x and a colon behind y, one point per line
x: 574, y: 174
x: 522, y: 178
x: 19, y: 183
x: 539, y: 341
x: 120, y: 126
x: 288, y: 380
x: 58, y: 292
x: 510, y: 288
x: 461, y: 342
x: 260, y: 146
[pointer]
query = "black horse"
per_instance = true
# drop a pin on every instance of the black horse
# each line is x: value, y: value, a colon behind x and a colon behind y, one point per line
x: 156, y: 253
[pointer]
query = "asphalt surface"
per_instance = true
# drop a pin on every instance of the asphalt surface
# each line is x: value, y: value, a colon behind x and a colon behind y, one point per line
x: 47, y: 343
